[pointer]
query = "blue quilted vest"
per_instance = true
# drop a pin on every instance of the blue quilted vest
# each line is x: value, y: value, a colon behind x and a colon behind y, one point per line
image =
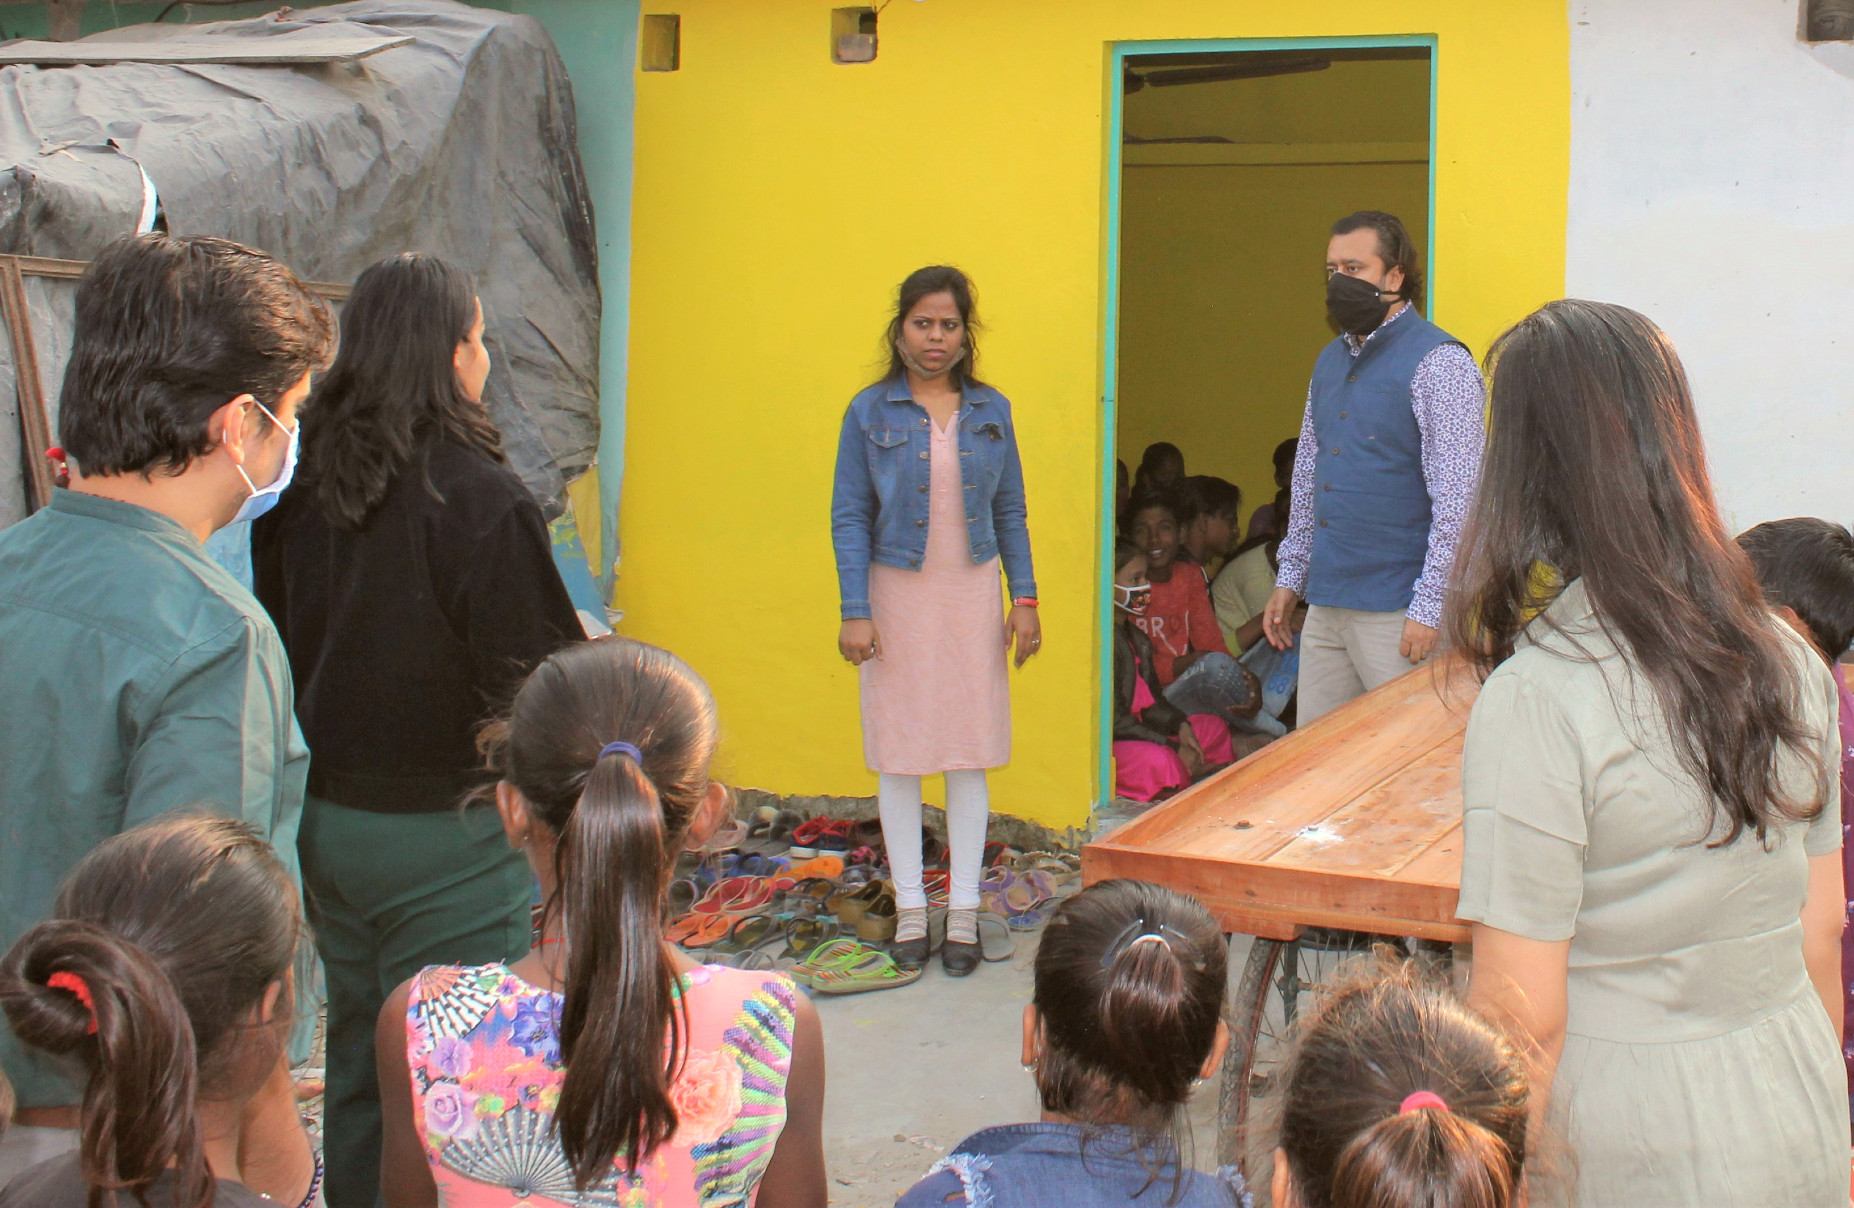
x: 1370, y: 502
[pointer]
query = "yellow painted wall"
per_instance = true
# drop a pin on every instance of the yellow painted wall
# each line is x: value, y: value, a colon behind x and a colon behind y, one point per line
x: 1222, y: 301
x: 781, y: 197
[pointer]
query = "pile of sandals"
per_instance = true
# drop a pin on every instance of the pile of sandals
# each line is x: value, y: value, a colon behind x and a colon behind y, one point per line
x: 812, y: 898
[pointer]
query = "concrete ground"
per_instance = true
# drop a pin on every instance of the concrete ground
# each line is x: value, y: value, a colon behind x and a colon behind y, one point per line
x: 912, y: 1071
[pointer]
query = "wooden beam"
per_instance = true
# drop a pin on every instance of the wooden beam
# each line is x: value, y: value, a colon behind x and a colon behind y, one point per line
x: 34, y: 419
x: 71, y: 270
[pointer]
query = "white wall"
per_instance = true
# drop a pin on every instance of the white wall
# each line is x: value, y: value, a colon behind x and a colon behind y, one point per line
x: 1712, y: 188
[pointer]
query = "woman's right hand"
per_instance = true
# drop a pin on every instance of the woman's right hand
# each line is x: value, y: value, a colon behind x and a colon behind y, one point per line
x: 858, y: 641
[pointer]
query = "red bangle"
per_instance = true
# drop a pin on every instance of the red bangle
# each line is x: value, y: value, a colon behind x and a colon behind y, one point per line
x: 1024, y: 602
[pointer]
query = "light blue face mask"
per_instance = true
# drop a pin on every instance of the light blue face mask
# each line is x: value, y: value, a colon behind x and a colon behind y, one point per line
x: 262, y: 499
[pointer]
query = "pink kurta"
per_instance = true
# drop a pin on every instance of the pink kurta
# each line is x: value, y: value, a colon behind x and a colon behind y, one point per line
x: 936, y: 698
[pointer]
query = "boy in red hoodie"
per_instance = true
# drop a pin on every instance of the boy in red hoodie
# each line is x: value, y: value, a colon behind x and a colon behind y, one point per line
x: 1195, y: 666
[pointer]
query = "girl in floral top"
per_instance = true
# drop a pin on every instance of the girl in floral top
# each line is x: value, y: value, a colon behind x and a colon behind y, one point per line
x: 606, y: 1069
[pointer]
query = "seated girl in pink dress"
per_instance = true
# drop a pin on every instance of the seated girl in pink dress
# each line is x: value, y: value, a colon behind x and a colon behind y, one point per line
x: 1157, y: 748
x: 603, y: 1067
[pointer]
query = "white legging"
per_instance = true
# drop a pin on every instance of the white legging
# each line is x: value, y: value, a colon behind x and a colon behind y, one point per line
x: 968, y: 811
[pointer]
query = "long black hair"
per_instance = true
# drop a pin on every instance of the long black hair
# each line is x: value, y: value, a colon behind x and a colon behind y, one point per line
x: 921, y: 283
x: 393, y: 385
x: 619, y: 823
x: 174, y: 931
x: 1595, y: 471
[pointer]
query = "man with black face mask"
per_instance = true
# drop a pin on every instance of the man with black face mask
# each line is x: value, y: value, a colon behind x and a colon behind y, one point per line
x: 1389, y: 450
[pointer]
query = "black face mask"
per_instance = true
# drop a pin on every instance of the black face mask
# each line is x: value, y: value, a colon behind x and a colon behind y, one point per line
x: 1356, y: 305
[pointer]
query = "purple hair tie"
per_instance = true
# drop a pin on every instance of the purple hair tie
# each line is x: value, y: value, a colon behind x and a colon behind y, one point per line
x: 622, y: 748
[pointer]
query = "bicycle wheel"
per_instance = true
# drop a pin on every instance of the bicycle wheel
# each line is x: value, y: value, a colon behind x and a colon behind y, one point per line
x: 1275, y: 988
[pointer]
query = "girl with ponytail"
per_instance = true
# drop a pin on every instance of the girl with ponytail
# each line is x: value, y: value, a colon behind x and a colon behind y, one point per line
x: 604, y: 1066
x: 1398, y: 1096
x: 166, y: 969
x: 1125, y: 1022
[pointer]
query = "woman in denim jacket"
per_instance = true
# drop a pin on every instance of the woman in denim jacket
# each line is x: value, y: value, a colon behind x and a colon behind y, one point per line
x: 929, y: 499
x: 1125, y: 1022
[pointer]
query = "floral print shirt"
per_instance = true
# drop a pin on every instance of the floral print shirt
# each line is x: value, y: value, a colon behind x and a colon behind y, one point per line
x: 484, y: 1051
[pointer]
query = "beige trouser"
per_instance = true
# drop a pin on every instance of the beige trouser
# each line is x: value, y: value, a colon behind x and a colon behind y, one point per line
x: 1345, y: 653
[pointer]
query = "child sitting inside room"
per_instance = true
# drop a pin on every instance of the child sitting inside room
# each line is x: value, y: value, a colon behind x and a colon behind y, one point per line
x: 1397, y: 1096
x: 604, y: 1066
x: 1124, y: 1021
x: 1208, y: 530
x: 1161, y: 467
x: 1806, y: 570
x: 1195, y: 666
x: 1240, y: 592
x: 1270, y: 516
x: 166, y: 970
x: 1157, y: 748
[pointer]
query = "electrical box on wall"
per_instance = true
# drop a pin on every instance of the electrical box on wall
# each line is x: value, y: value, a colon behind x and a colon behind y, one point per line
x: 659, y: 47
x: 852, y: 35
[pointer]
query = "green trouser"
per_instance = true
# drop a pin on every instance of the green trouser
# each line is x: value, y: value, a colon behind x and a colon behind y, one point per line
x: 389, y: 894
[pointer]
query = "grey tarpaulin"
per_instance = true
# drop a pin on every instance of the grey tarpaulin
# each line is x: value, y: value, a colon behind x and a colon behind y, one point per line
x: 461, y: 144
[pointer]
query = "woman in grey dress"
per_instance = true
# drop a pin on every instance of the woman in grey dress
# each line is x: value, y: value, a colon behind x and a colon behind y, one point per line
x: 1651, y: 857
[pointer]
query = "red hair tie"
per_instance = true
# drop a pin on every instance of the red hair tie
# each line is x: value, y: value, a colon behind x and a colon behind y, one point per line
x: 66, y: 980
x: 1421, y: 1100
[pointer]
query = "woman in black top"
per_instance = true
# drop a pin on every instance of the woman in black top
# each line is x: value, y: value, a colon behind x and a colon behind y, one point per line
x: 413, y: 580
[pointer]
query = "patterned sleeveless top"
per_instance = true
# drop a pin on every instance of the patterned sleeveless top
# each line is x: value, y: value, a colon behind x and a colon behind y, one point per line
x: 484, y: 1050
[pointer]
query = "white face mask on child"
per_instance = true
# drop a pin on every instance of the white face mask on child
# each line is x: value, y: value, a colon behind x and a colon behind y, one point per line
x: 1132, y: 600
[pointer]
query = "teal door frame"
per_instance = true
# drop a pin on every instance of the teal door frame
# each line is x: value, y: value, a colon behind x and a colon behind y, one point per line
x: 1120, y: 52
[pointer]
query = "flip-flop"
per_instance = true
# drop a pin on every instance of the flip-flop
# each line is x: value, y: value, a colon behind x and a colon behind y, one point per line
x: 817, y: 889
x: 1063, y: 871
x: 758, y: 864
x: 865, y: 971
x: 1036, y: 916
x: 938, y: 883
x: 805, y: 936
x: 992, y: 888
x: 859, y: 874
x: 828, y: 955
x: 683, y: 894
x: 827, y: 867
x: 728, y: 838
x: 995, y: 942
x: 723, y: 893
x: 682, y: 927
x: 770, y: 831
x: 836, y: 838
x: 759, y: 897
x: 1027, y: 891
x: 705, y: 930
x: 747, y: 933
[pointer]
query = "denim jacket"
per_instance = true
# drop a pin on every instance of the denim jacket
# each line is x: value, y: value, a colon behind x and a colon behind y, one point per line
x: 879, y: 506
x: 1043, y: 1166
